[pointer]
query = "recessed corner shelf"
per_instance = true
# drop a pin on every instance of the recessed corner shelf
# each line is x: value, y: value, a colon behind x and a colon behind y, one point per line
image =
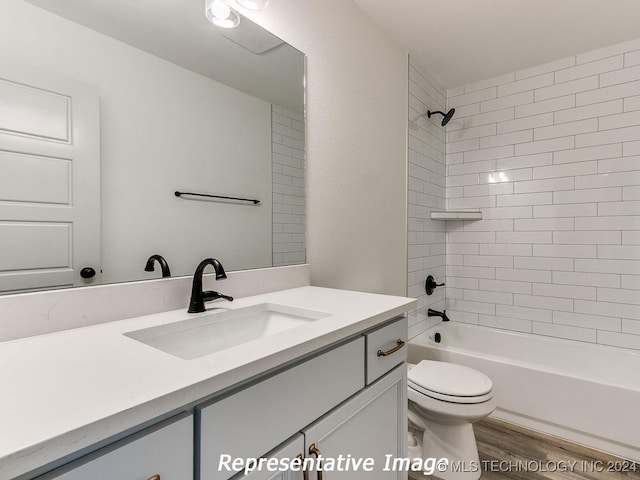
x: 456, y: 215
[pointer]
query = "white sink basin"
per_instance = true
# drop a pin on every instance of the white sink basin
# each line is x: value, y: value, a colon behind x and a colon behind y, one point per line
x: 210, y: 333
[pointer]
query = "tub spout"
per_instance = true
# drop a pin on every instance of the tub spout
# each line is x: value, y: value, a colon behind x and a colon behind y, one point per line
x: 435, y: 313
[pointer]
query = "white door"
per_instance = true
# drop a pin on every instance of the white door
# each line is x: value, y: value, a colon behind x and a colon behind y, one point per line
x: 49, y: 180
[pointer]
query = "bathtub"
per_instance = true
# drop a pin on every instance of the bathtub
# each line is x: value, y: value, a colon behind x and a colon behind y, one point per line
x: 586, y: 393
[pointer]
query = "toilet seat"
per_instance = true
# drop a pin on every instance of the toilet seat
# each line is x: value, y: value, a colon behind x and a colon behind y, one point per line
x: 450, y: 382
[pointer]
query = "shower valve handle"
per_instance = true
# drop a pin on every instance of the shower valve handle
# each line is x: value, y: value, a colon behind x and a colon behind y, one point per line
x: 430, y: 285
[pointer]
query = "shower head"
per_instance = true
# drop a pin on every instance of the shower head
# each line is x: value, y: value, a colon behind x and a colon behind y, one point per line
x: 447, y: 116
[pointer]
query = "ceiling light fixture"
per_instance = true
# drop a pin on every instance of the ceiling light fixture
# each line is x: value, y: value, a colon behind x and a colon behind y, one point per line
x: 221, y: 14
x: 253, y: 4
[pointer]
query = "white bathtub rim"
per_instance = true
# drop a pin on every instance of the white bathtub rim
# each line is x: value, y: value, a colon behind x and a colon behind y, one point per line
x: 631, y: 352
x: 532, y: 366
x: 425, y: 339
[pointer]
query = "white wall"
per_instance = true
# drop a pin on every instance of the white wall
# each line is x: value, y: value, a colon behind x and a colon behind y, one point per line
x: 426, y: 192
x: 356, y: 143
x: 163, y: 128
x: 551, y: 155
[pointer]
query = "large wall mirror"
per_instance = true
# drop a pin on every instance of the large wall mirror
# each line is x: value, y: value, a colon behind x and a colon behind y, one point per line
x: 109, y: 107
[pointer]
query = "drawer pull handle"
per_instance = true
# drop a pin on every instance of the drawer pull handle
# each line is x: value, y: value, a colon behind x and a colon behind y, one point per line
x: 313, y: 450
x: 154, y: 477
x: 305, y: 472
x: 399, y: 345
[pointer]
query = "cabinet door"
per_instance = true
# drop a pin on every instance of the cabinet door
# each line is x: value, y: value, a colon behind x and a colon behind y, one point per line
x: 163, y: 452
x: 372, y: 425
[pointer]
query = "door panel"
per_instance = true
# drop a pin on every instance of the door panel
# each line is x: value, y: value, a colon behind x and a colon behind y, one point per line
x: 35, y: 179
x: 34, y: 112
x: 45, y: 245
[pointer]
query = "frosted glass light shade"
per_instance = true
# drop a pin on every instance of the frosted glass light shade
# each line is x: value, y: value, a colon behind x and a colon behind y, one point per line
x: 253, y: 4
x: 221, y: 14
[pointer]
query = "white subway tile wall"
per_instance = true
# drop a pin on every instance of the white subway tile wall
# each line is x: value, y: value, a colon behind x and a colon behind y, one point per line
x: 426, y: 192
x: 288, y: 161
x: 551, y: 155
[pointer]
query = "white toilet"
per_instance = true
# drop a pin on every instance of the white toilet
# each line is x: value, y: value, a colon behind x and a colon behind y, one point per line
x: 444, y: 400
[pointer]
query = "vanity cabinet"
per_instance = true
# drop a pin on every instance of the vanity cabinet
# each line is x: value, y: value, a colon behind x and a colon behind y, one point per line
x: 161, y: 452
x: 347, y: 400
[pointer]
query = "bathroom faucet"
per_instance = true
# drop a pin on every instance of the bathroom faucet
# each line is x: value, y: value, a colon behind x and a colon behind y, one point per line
x: 435, y: 313
x: 163, y: 265
x: 198, y: 297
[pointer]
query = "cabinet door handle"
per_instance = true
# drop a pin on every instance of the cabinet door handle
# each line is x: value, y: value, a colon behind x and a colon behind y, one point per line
x: 313, y: 450
x: 154, y: 477
x: 305, y: 472
x: 399, y: 345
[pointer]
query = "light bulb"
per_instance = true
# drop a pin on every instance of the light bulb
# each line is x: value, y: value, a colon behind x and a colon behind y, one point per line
x: 253, y: 4
x: 221, y: 14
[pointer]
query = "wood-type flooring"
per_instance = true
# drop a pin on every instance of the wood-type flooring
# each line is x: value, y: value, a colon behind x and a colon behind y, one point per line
x: 510, y: 452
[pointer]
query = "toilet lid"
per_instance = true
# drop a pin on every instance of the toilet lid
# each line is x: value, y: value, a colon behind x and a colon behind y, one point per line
x: 449, y: 379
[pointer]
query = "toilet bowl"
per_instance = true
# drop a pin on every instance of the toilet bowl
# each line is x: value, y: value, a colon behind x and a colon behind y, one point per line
x: 444, y: 400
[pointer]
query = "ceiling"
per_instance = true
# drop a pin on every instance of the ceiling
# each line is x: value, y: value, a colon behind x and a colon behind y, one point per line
x: 464, y: 41
x: 178, y: 31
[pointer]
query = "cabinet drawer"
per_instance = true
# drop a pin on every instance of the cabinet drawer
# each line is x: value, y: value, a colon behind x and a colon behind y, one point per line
x: 165, y: 450
x: 250, y: 422
x: 381, y: 344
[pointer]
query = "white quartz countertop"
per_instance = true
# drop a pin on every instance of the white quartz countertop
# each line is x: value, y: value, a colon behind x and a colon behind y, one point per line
x: 68, y: 390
